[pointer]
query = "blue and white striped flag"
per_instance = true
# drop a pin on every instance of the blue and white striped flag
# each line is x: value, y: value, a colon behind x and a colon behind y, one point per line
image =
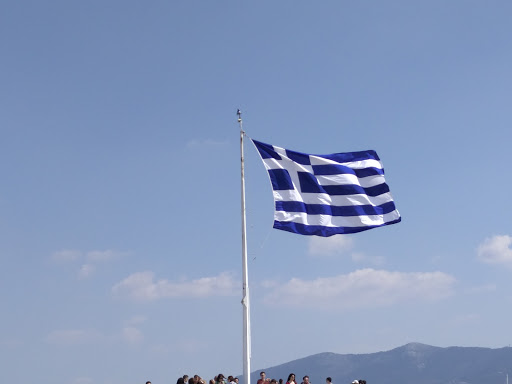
x: 325, y: 195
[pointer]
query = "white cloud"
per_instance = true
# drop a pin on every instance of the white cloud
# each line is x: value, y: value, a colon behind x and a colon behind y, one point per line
x: 72, y: 336
x: 136, y: 320
x: 329, y: 246
x: 143, y: 286
x: 340, y: 245
x: 362, y: 288
x: 102, y: 256
x: 359, y: 257
x: 482, y: 289
x: 132, y: 335
x: 66, y: 255
x: 269, y: 283
x: 91, y: 258
x: 86, y: 270
x: 496, y: 250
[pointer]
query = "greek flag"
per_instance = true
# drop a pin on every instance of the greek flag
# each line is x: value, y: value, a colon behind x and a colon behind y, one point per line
x: 325, y: 195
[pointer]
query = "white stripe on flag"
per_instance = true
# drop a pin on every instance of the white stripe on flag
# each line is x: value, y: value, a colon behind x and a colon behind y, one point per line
x: 335, y: 221
x: 365, y: 182
x: 323, y: 198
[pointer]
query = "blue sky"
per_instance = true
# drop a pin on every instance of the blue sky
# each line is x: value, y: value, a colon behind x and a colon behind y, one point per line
x: 120, y: 245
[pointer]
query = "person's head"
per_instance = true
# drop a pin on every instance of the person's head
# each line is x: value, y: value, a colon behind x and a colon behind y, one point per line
x: 273, y: 381
x: 148, y: 382
x: 236, y: 380
x: 291, y: 377
x: 280, y: 381
x: 355, y: 382
x: 262, y: 375
x: 328, y: 380
x: 220, y: 377
x: 191, y: 381
x: 305, y: 379
x: 185, y: 378
x: 180, y: 381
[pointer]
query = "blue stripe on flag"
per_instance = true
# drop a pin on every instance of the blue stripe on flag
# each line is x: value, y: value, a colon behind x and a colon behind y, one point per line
x: 280, y: 179
x: 309, y: 184
x: 299, y: 158
x: 320, y: 230
x: 333, y: 210
x: 266, y: 151
x: 337, y: 169
x: 352, y: 156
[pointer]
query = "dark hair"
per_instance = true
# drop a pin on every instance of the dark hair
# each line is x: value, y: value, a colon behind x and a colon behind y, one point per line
x: 273, y: 381
x: 280, y: 381
x: 362, y: 381
x: 148, y: 382
x: 191, y: 380
x: 181, y: 380
x: 304, y: 378
x: 329, y: 379
x: 262, y: 372
x: 290, y: 376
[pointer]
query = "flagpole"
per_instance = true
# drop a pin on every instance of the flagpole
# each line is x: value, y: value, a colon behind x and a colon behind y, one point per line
x: 245, y: 287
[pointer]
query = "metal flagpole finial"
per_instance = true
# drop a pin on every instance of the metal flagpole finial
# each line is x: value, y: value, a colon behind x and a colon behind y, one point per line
x: 239, y: 113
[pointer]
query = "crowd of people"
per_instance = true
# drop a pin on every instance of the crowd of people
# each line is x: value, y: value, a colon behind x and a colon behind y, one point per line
x: 221, y: 379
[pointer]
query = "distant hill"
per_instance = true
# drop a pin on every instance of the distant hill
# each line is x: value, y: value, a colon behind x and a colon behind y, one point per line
x: 412, y: 363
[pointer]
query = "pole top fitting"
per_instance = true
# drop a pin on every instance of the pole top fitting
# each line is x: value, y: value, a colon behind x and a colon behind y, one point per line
x: 239, y: 115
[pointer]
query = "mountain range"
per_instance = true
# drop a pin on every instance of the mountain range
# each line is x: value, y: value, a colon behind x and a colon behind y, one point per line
x: 412, y: 363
